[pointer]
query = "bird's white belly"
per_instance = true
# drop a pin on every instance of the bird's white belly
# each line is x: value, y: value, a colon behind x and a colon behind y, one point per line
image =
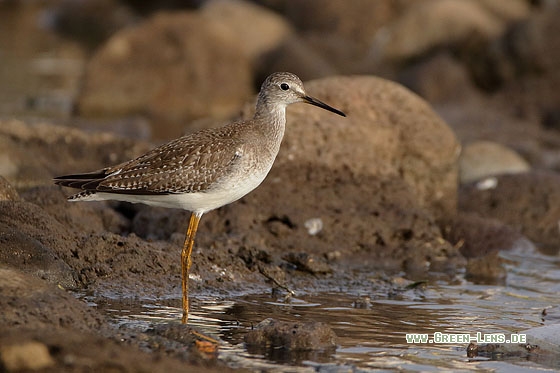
x: 226, y: 192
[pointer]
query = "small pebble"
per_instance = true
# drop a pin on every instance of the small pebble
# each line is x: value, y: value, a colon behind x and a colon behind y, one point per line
x: 488, y: 183
x: 314, y: 226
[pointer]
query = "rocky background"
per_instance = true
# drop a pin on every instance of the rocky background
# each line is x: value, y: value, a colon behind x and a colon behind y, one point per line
x: 448, y: 155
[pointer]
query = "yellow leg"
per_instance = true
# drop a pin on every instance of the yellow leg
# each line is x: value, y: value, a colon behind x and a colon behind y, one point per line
x: 186, y: 261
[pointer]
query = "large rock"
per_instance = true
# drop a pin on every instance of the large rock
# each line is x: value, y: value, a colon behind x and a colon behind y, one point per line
x: 174, y: 67
x: 389, y: 132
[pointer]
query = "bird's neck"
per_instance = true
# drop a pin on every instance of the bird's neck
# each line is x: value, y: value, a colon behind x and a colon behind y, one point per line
x: 272, y: 118
x: 270, y: 121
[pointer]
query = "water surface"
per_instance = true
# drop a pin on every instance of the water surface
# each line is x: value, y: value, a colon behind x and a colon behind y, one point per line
x: 371, y: 325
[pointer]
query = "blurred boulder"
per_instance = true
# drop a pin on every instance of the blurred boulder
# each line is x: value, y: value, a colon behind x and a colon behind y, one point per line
x: 257, y: 29
x: 340, y: 32
x: 174, y: 67
x: 481, y: 159
x: 440, y: 79
x: 427, y: 25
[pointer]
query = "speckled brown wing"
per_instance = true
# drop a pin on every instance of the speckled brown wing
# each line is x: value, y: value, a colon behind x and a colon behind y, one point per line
x: 187, y: 164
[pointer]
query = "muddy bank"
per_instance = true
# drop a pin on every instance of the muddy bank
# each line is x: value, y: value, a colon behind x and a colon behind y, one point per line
x: 365, y: 218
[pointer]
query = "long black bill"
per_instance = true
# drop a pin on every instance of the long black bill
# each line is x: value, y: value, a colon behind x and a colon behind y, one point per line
x: 314, y: 101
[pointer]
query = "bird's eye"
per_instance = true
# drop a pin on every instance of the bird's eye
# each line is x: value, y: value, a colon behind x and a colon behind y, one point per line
x: 284, y: 86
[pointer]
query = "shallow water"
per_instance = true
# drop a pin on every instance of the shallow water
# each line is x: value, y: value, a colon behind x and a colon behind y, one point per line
x: 372, y: 334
